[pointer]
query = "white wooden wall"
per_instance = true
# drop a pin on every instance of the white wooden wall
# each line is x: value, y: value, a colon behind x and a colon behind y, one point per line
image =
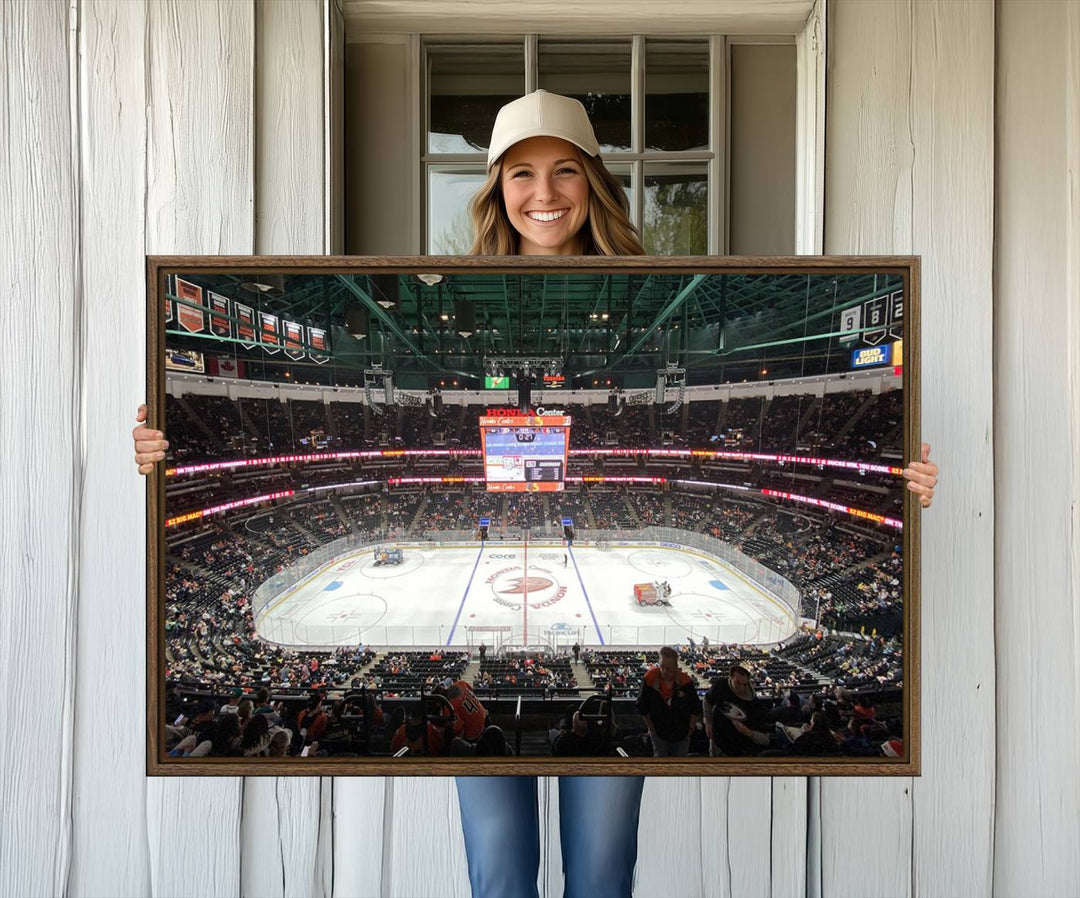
x: 199, y: 127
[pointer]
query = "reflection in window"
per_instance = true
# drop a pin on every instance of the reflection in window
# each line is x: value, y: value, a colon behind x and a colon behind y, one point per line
x: 624, y: 176
x: 467, y: 85
x: 450, y: 231
x: 676, y: 210
x: 597, y: 74
x: 676, y: 95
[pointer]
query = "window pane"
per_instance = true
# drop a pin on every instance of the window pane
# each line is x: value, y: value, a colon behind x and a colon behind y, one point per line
x: 467, y: 84
x: 624, y: 176
x: 676, y: 209
x: 676, y: 95
x: 597, y: 74
x: 449, y: 191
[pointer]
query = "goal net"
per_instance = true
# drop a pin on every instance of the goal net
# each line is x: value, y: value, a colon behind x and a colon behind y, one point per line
x: 492, y: 637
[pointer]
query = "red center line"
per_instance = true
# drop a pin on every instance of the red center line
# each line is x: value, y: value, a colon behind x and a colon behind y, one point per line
x: 525, y: 601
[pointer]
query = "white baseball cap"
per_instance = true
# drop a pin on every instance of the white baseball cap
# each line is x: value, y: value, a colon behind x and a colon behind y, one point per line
x: 541, y: 114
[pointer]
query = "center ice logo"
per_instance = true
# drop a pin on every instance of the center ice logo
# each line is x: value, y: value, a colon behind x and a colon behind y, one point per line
x: 512, y: 583
x: 525, y: 585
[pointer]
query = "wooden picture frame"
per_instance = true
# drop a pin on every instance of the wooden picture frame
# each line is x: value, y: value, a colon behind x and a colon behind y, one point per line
x: 709, y: 329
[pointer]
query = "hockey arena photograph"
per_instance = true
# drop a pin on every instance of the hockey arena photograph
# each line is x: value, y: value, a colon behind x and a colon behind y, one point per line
x: 423, y: 516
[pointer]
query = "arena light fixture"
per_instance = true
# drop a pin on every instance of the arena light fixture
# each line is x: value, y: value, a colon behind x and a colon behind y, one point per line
x: 265, y: 284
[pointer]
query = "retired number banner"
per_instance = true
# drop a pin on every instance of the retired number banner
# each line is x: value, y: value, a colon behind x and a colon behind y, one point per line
x: 191, y: 320
x: 317, y: 342
x: 220, y: 326
x: 294, y: 339
x: 245, y: 325
x: 268, y: 332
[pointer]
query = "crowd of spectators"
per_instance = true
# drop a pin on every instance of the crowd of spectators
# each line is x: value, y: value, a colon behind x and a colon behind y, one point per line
x: 853, y: 424
x: 537, y: 674
x: 853, y: 578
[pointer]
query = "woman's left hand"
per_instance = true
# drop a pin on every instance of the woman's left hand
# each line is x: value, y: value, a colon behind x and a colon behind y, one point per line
x: 922, y: 477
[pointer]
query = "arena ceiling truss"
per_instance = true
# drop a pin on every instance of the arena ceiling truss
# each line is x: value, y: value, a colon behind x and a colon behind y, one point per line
x: 720, y: 327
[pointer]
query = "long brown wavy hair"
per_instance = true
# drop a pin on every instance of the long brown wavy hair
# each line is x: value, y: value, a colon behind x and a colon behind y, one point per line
x: 607, y: 231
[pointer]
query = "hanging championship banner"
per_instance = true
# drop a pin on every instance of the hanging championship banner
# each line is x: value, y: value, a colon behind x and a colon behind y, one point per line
x: 317, y: 344
x: 220, y: 326
x: 191, y: 320
x: 268, y: 332
x: 170, y: 288
x: 245, y: 325
x: 850, y: 322
x: 896, y: 315
x: 294, y: 339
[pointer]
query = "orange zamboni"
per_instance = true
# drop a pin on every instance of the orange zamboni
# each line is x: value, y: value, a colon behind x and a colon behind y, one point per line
x: 657, y: 593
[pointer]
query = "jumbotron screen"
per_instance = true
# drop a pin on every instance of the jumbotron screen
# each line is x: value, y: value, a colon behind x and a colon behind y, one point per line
x: 525, y: 453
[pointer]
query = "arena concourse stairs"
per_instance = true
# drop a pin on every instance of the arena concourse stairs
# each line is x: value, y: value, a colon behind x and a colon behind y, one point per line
x: 193, y: 416
x: 471, y: 672
x: 581, y: 674
x: 854, y: 419
x: 340, y: 509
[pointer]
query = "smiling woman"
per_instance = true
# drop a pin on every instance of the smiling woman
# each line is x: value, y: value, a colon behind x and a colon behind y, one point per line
x: 546, y: 196
x: 547, y: 190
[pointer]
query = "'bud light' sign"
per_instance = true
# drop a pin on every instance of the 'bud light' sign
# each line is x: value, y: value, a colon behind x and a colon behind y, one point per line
x: 868, y: 356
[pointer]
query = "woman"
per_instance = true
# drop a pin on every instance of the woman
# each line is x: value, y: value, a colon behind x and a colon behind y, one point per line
x: 547, y: 193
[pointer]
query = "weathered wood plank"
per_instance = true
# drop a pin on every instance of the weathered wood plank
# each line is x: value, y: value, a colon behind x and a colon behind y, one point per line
x: 282, y: 818
x: 423, y: 846
x: 735, y: 824
x: 40, y: 447
x: 1037, y: 448
x: 279, y: 837
x: 111, y: 859
x: 200, y: 193
x: 359, y: 836
x: 290, y: 160
x: 868, y: 158
x: 670, y: 838
x: 953, y: 229
x: 788, y: 843
x: 909, y: 169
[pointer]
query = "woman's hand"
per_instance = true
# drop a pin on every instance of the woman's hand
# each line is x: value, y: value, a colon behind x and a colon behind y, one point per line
x: 922, y: 477
x: 150, y: 445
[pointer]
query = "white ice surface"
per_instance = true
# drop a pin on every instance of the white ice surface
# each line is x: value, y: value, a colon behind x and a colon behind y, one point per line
x: 438, y: 592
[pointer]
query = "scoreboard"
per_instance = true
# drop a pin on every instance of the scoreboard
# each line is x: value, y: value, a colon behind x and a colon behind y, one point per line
x: 524, y: 453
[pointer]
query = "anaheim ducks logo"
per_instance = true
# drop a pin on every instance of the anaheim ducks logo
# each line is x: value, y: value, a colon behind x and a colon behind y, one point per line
x: 525, y: 585
x: 512, y: 583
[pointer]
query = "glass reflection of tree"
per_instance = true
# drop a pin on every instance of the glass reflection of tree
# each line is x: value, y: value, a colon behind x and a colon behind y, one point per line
x: 455, y: 239
x: 676, y: 220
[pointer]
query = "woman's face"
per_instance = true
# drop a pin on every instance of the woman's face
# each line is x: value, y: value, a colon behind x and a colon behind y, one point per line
x: 546, y: 195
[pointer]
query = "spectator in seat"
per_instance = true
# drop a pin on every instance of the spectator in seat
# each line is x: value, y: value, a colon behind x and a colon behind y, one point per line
x: 819, y: 739
x: 312, y: 719
x: 470, y: 717
x: 256, y: 738
x: 233, y: 704
x: 789, y: 712
x: 411, y: 734
x: 577, y: 738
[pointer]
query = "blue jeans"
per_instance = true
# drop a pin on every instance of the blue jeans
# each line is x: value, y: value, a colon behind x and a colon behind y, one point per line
x: 598, y: 823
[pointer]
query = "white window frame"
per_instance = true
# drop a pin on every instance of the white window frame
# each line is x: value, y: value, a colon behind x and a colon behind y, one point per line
x: 810, y: 126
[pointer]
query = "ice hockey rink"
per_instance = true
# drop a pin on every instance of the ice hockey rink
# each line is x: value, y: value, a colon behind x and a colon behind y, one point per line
x: 535, y: 594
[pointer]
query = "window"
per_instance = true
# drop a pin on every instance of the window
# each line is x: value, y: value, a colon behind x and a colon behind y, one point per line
x: 655, y: 104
